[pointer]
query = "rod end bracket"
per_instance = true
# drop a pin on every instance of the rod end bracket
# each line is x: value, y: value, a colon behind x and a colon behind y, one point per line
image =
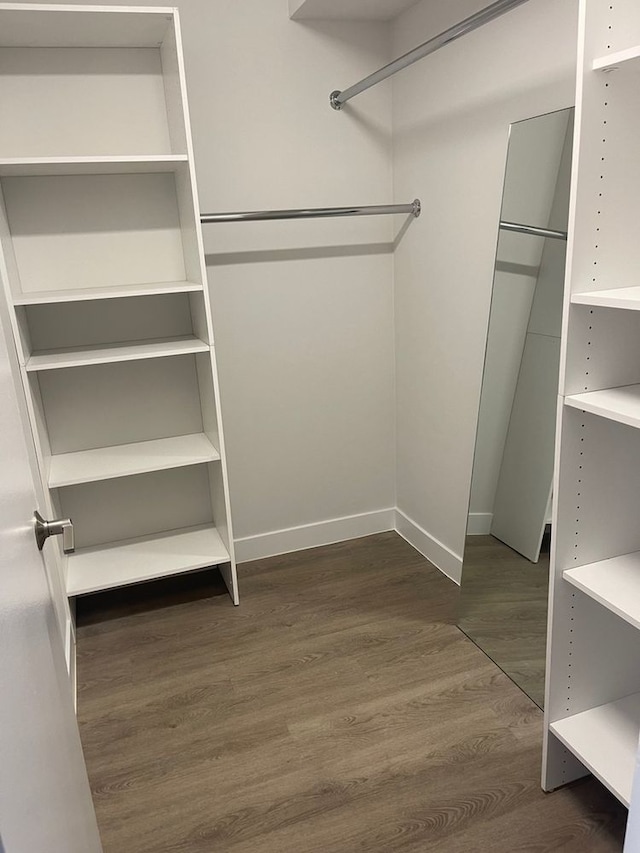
x: 333, y: 99
x: 417, y: 207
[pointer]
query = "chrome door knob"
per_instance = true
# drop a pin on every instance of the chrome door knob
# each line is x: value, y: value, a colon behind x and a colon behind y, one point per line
x: 59, y: 527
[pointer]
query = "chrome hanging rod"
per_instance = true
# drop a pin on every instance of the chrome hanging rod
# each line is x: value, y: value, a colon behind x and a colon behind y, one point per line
x: 312, y: 213
x: 338, y: 98
x: 531, y: 229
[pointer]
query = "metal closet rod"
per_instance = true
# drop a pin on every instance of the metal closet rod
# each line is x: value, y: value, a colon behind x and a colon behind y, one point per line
x: 312, y: 213
x: 531, y: 229
x: 338, y: 98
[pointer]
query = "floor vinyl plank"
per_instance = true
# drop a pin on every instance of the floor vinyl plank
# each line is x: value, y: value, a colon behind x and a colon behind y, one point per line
x: 503, y: 608
x: 338, y: 710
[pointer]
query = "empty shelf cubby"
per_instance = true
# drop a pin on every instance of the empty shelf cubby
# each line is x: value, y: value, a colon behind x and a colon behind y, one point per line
x: 106, y: 420
x: 89, y: 82
x: 84, y: 232
x: 142, y: 527
x: 97, y: 331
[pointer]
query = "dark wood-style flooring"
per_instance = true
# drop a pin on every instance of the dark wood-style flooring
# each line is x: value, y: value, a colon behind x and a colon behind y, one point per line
x: 337, y: 710
x: 503, y: 609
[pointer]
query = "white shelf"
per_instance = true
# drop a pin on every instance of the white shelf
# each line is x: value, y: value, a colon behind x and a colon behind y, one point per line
x: 614, y: 583
x: 143, y: 559
x: 34, y: 166
x: 616, y: 404
x: 618, y: 297
x: 97, y: 26
x: 348, y: 10
x: 124, y: 460
x: 46, y: 297
x: 605, y: 739
x: 613, y: 60
x: 107, y: 354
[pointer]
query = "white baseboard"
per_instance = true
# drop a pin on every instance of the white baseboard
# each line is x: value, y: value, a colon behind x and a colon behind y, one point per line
x: 479, y: 523
x: 442, y: 557
x: 313, y: 535
x: 350, y: 527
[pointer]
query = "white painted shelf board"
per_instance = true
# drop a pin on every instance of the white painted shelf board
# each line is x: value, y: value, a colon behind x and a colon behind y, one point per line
x: 109, y: 353
x: 34, y: 166
x: 614, y: 583
x: 125, y: 460
x: 145, y: 558
x: 611, y: 60
x: 348, y: 10
x: 616, y: 404
x: 618, y: 297
x: 35, y: 25
x: 45, y: 297
x: 605, y: 739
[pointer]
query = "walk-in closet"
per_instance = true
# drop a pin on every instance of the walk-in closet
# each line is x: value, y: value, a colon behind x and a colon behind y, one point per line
x: 318, y: 372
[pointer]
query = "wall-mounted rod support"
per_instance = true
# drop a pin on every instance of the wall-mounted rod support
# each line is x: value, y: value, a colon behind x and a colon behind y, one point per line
x: 312, y: 213
x: 531, y: 229
x: 338, y: 98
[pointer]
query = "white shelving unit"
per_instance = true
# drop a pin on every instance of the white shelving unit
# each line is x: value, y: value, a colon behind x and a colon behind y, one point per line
x: 592, y: 704
x: 104, y: 279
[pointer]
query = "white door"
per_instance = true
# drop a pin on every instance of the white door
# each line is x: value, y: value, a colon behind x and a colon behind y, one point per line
x: 632, y: 836
x: 45, y: 802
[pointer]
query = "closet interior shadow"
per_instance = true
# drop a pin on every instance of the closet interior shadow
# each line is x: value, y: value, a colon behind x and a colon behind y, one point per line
x: 503, y: 600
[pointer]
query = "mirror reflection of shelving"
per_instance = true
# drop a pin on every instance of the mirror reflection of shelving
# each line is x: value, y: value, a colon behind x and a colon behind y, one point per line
x: 104, y: 274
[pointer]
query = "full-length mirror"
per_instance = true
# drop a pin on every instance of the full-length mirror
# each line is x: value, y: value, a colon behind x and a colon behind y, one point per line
x: 503, y: 603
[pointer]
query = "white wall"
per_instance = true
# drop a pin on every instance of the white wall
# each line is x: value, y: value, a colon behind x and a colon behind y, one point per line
x: 303, y: 311
x: 451, y: 115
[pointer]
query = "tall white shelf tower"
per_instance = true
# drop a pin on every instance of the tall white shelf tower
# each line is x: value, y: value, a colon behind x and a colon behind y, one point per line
x: 105, y: 286
x: 592, y: 707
